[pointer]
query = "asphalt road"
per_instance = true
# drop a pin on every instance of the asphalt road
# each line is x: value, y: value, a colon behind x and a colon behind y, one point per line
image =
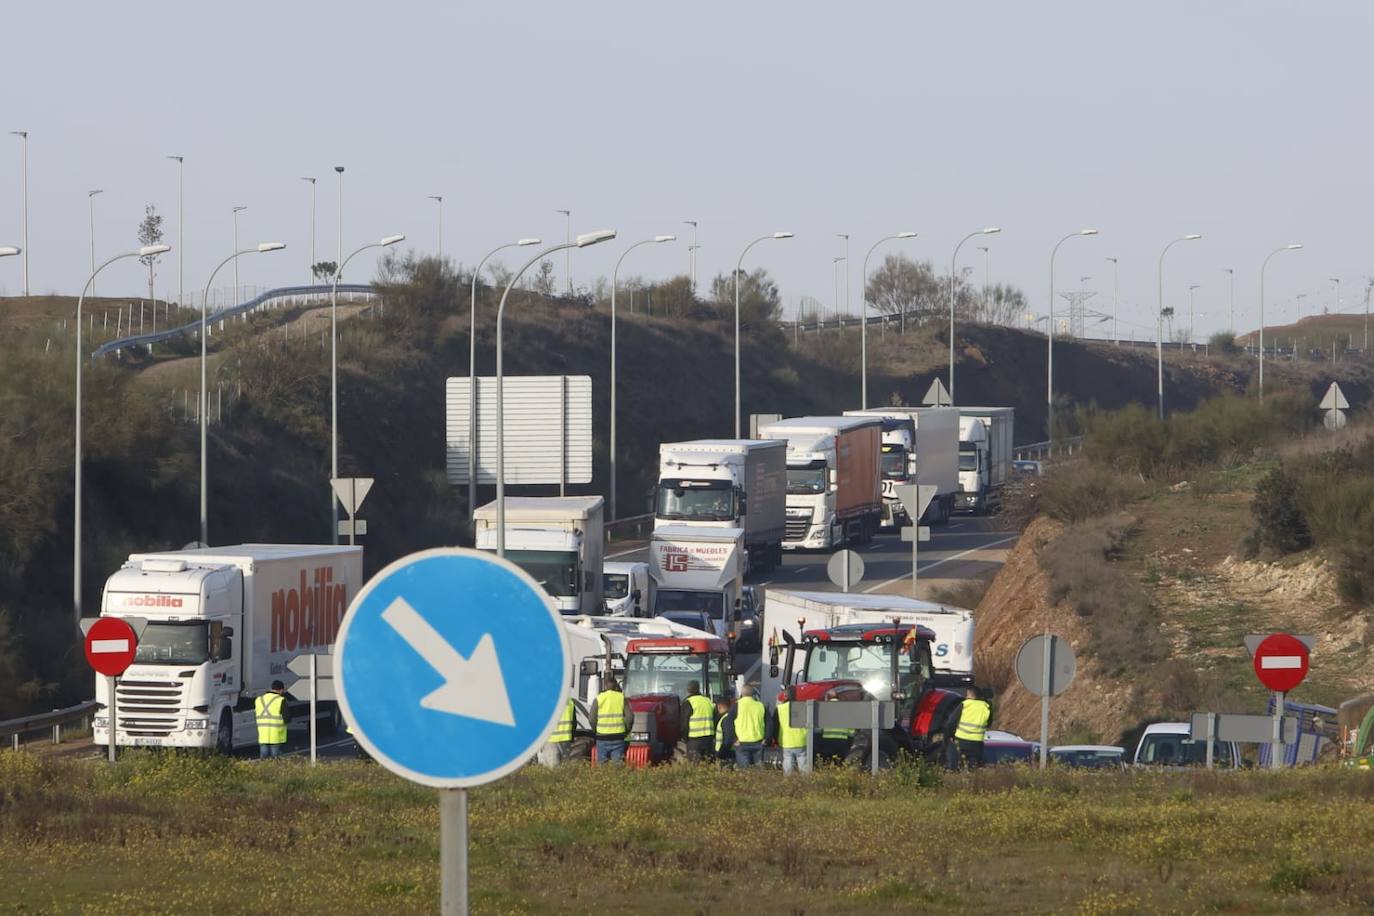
x: 957, y: 550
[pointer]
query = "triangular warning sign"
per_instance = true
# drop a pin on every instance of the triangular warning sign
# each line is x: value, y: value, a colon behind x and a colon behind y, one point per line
x: 937, y: 395
x: 351, y: 492
x: 1334, y: 399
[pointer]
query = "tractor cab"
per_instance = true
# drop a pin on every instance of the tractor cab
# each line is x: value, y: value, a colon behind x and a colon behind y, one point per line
x: 858, y: 661
x: 657, y: 671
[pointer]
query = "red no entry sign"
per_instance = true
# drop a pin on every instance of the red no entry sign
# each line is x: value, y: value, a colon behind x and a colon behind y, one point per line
x: 1281, y: 662
x: 110, y: 646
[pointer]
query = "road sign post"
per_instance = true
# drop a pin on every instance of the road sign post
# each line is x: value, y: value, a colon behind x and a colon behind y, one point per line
x: 937, y: 395
x: 421, y: 667
x: 915, y: 498
x: 111, y: 644
x: 845, y: 568
x: 1281, y: 663
x: 351, y: 492
x: 1045, y: 666
x: 318, y: 672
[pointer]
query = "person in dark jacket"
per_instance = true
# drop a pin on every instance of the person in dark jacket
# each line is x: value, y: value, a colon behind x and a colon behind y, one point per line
x: 725, y: 731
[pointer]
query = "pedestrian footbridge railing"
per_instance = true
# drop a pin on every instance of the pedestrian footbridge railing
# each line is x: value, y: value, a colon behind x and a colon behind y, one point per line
x: 282, y: 297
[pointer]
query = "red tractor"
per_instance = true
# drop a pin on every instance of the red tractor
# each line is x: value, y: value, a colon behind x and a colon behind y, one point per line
x: 884, y: 660
x: 657, y: 670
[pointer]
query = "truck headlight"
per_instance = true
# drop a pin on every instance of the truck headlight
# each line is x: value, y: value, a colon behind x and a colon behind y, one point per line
x: 197, y: 724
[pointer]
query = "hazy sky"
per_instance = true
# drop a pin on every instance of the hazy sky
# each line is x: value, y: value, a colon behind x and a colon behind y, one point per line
x: 1246, y: 121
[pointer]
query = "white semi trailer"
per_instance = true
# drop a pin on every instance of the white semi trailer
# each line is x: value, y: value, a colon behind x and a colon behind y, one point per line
x: 222, y: 623
x: 558, y: 540
x: 921, y: 446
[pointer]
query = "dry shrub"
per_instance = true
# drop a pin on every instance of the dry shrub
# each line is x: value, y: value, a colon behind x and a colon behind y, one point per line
x: 967, y: 593
x: 1078, y: 491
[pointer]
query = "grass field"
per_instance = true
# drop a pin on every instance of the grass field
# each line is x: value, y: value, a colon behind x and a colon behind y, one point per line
x: 160, y: 833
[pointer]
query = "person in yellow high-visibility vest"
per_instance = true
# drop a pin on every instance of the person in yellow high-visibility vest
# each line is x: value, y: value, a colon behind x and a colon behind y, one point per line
x: 972, y: 731
x: 751, y: 726
x: 562, y: 735
x: 272, y: 715
x: 611, y: 722
x: 792, y: 741
x: 698, y: 723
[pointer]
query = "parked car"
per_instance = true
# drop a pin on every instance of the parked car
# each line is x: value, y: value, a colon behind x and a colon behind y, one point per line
x: 1169, y: 744
x: 1027, y: 469
x: 1089, y: 756
x: 1004, y: 747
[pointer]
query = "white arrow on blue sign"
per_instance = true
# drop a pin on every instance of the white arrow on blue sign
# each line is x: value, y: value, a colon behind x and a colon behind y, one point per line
x: 452, y: 667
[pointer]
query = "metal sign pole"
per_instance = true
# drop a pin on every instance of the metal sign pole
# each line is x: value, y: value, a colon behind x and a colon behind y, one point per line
x: 915, y: 545
x: 113, y: 684
x: 873, y: 762
x: 1276, y: 745
x: 453, y: 852
x: 810, y: 732
x: 1045, y: 701
x: 352, y: 541
x: 314, y: 692
x: 562, y: 435
x: 1211, y: 736
x: 844, y: 575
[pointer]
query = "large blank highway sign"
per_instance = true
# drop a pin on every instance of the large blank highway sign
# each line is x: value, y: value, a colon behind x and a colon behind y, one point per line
x: 545, y: 415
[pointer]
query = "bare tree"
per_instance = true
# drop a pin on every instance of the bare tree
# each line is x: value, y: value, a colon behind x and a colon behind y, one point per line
x: 901, y: 286
x: 150, y: 233
x: 542, y: 282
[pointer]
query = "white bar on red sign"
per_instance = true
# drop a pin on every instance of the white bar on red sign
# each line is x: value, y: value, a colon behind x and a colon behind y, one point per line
x: 1281, y: 661
x: 109, y: 645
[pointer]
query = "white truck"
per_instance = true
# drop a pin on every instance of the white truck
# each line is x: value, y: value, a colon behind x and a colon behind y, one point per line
x: 559, y: 540
x: 698, y: 578
x: 834, y: 495
x: 985, y: 451
x: 222, y: 623
x: 921, y: 446
x: 628, y: 589
x: 794, y: 612
x: 726, y: 483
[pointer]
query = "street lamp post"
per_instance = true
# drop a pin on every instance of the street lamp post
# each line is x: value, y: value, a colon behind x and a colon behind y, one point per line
x: 1159, y: 318
x: 334, y: 373
x: 1337, y: 282
x: 1192, y: 334
x: 1231, y: 299
x: 439, y: 199
x: 90, y: 200
x: 863, y: 324
x: 204, y: 386
x: 23, y: 136
x: 739, y: 265
x: 987, y: 278
x: 845, y: 259
x: 692, y: 255
x: 1049, y: 337
x: 238, y: 298
x: 144, y: 252
x: 953, y: 261
x: 1263, y: 265
x: 181, y: 237
x: 338, y: 253
x: 310, y: 272
x: 615, y: 274
x: 582, y: 241
x: 835, y: 277
x: 472, y: 373
x: 568, y: 245
x: 1115, y: 300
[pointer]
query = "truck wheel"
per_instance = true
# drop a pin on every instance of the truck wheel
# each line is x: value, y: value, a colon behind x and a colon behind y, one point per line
x: 224, y: 738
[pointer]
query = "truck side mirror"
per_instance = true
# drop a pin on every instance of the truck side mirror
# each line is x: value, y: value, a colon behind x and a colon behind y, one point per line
x: 833, y: 476
x: 743, y: 504
x: 588, y: 667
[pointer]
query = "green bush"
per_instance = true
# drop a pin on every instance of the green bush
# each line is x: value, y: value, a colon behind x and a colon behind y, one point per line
x: 1279, y: 522
x: 1223, y: 344
x: 1076, y: 492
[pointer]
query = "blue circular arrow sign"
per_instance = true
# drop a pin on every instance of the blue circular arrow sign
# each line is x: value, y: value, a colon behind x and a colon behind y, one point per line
x: 452, y: 667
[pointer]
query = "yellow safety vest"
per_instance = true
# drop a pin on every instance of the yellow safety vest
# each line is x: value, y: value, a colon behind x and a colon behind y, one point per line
x: 563, y: 731
x: 749, y: 721
x: 788, y: 736
x: 703, y: 714
x: 610, y: 713
x: 720, y: 733
x: 973, y: 721
x: 271, y: 723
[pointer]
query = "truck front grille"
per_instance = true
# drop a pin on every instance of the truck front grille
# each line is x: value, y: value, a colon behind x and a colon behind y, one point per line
x: 149, y: 709
x: 796, y: 529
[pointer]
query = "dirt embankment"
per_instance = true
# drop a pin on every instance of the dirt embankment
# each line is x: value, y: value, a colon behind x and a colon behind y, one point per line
x: 1015, y: 608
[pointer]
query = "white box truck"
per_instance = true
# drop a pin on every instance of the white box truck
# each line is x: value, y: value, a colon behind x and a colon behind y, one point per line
x: 985, y: 450
x: 727, y: 483
x: 698, y: 578
x: 222, y: 624
x: 921, y: 446
x: 558, y: 540
x: 834, y: 495
x: 794, y: 612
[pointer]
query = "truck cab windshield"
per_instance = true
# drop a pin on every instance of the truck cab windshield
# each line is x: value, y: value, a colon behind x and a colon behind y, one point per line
x: 712, y: 604
x: 868, y: 663
x: 894, y: 464
x: 696, y: 500
x: 968, y: 460
x: 555, y: 570
x: 645, y: 674
x: 174, y: 643
x: 806, y: 479
x: 615, y: 585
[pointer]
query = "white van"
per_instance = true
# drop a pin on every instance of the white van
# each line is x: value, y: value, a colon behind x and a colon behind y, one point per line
x: 1169, y: 744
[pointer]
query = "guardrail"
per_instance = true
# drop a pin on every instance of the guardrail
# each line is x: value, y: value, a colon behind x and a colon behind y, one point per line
x: 15, y: 729
x: 252, y: 305
x: 636, y: 527
x: 1042, y: 451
